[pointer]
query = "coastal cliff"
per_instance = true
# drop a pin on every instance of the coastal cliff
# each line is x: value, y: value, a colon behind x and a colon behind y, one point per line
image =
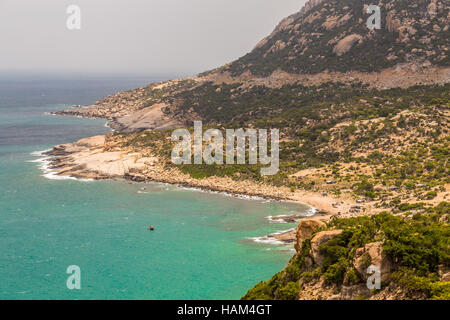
x: 364, y: 126
x: 332, y: 259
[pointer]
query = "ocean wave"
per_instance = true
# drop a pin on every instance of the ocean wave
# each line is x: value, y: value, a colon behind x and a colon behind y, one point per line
x: 278, y: 219
x: 291, y: 218
x: 44, y: 166
x: 39, y: 153
x: 311, y: 212
x: 282, y: 231
x: 227, y: 194
x: 271, y: 240
x: 267, y: 240
x: 107, y: 126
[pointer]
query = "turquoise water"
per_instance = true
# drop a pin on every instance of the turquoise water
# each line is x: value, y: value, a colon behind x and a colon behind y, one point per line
x: 199, y: 250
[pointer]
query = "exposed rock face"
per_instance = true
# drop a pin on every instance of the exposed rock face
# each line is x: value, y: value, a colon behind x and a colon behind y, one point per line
x: 305, y: 229
x: 396, y: 292
x: 318, y: 290
x: 431, y: 9
x: 372, y: 253
x: 286, y: 237
x: 148, y: 118
x: 325, y: 41
x: 319, y: 239
x: 309, y: 5
x: 106, y: 157
x: 392, y: 24
x: 336, y: 21
x: 345, y: 44
x: 110, y: 107
x: 143, y: 108
x: 446, y: 277
x: 91, y: 158
x: 310, y: 38
x: 356, y: 292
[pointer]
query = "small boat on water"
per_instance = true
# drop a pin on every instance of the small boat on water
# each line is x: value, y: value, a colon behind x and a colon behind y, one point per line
x: 151, y: 228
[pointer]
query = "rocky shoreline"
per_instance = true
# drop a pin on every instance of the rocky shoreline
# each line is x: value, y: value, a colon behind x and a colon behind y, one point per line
x: 96, y: 158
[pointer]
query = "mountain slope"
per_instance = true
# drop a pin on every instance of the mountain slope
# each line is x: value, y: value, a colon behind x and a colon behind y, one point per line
x: 364, y: 124
x: 327, y: 41
x: 332, y: 35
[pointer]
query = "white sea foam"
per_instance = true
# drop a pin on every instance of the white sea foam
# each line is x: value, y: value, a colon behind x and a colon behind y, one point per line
x: 107, y: 126
x: 277, y: 219
x: 39, y: 153
x: 298, y: 216
x: 270, y: 239
x: 311, y: 212
x: 47, y: 171
x: 283, y: 231
x: 227, y: 194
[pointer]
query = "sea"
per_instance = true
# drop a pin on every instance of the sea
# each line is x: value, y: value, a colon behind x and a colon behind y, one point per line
x: 204, y: 246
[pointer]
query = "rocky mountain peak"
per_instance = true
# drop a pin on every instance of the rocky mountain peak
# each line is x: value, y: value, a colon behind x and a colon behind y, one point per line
x: 332, y: 35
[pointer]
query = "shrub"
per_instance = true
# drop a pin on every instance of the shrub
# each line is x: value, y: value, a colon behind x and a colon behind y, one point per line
x: 288, y: 292
x: 431, y: 195
x: 258, y: 292
x: 440, y: 291
x: 431, y: 287
x: 351, y: 277
x: 336, y: 272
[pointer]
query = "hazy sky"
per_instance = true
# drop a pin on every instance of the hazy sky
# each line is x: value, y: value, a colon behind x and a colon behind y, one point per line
x: 134, y: 36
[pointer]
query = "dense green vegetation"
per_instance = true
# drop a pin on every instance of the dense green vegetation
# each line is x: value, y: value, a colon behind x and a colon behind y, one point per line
x: 418, y: 245
x: 331, y: 126
x: 311, y: 119
x: 294, y: 106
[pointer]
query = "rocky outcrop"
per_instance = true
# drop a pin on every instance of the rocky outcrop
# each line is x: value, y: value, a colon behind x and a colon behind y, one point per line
x: 355, y: 292
x: 143, y: 108
x: 285, y: 237
x: 372, y: 254
x: 432, y: 8
x: 392, y: 24
x: 106, y: 157
x: 319, y: 239
x: 113, y: 106
x: 336, y: 21
x: 149, y: 118
x: 321, y: 27
x: 309, y: 5
x: 304, y: 231
x: 446, y: 277
x: 325, y: 41
x: 345, y: 44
